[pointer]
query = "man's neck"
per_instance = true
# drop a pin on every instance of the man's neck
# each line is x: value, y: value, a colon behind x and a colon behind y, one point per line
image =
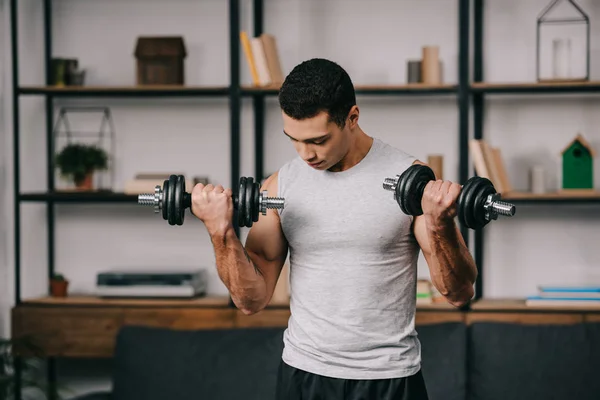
x: 358, y: 150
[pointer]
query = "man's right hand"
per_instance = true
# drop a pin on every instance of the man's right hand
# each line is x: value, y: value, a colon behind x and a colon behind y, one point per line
x: 213, y: 206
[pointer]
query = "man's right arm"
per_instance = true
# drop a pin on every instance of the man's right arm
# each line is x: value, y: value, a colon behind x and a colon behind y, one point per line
x: 251, y: 273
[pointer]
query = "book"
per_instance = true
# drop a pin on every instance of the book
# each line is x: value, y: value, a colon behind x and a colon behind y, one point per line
x: 563, y: 301
x: 569, y: 289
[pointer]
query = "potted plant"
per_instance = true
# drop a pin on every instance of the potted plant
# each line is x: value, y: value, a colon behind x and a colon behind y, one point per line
x: 32, y: 377
x: 78, y: 162
x: 58, y: 285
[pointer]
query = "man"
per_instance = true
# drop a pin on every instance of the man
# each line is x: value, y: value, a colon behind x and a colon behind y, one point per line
x: 353, y: 253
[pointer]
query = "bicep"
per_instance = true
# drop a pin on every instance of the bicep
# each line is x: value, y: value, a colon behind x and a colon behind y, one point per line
x: 266, y: 244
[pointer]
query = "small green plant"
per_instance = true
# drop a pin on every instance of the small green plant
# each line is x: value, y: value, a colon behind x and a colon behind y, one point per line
x: 31, y: 374
x: 76, y: 161
x: 58, y: 277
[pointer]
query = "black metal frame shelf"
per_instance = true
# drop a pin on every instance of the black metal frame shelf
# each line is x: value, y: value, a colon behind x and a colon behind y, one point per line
x: 79, y: 197
x: 536, y: 87
x: 479, y: 89
x: 553, y: 198
x: 234, y: 92
x: 361, y: 90
x: 558, y: 201
x: 124, y: 91
x: 466, y: 94
x: 372, y: 90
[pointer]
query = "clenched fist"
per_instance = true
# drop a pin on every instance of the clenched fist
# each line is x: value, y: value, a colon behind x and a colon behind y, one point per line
x: 439, y: 200
x: 213, y: 205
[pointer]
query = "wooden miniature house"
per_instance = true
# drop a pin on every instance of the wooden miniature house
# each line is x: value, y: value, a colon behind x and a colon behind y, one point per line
x: 160, y: 60
x: 578, y: 164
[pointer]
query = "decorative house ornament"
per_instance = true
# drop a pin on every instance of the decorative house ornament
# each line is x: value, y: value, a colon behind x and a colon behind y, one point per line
x: 160, y: 60
x: 578, y: 165
x: 565, y: 42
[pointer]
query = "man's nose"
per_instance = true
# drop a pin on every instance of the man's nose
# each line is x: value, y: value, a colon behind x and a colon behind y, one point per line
x: 306, y: 152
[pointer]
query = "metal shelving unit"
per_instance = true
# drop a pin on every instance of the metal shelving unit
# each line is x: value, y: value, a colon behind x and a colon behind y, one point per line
x: 234, y: 93
x: 479, y: 89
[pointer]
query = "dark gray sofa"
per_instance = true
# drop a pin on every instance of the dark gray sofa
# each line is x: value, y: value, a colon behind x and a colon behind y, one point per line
x: 482, y: 361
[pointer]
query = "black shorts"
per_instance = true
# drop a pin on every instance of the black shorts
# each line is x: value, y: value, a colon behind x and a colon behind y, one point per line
x: 295, y: 384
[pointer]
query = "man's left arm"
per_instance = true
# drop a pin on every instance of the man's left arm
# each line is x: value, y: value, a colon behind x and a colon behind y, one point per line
x: 451, y: 265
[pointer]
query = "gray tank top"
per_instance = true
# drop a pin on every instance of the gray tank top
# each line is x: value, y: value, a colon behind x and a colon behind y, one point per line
x: 353, y: 269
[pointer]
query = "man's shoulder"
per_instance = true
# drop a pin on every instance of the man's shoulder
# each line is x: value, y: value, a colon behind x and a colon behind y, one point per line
x: 291, y: 166
x: 394, y: 152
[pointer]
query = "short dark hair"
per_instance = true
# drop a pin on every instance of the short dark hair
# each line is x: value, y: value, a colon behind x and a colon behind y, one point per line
x: 317, y: 85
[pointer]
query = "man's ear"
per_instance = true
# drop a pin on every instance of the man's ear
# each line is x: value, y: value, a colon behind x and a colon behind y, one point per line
x: 353, y: 117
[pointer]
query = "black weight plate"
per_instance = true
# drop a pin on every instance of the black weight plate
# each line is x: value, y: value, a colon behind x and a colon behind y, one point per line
x: 165, y: 196
x: 464, y: 200
x: 178, y: 203
x: 426, y: 175
x: 471, y: 201
x: 255, y: 202
x: 399, y: 193
x: 248, y: 203
x: 241, y: 197
x: 412, y: 184
x: 422, y: 176
x: 182, y: 205
x: 483, y: 187
x: 171, y: 200
x: 401, y: 190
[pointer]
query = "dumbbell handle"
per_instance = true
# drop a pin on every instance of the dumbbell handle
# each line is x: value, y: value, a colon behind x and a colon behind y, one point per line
x: 493, y: 204
x: 502, y: 207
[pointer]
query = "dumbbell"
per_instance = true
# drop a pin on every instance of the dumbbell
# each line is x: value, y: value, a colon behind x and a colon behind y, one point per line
x: 478, y: 202
x: 172, y: 200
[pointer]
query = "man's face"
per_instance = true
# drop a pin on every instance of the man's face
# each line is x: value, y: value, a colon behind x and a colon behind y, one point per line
x: 320, y: 143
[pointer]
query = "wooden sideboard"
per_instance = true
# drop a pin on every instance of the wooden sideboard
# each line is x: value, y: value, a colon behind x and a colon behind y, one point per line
x: 80, y: 326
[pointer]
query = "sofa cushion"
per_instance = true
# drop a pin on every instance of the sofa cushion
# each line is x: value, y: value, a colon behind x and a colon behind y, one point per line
x: 157, y: 363
x: 530, y: 362
x: 443, y: 354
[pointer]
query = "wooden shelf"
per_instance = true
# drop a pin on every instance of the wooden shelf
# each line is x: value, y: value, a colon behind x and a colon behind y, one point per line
x: 576, y: 196
x: 94, y: 301
x: 520, y: 305
x: 125, y: 91
x: 209, y: 91
x: 516, y: 311
x: 537, y: 87
x: 86, y: 326
x: 437, y: 306
x: 407, y: 89
x: 567, y: 196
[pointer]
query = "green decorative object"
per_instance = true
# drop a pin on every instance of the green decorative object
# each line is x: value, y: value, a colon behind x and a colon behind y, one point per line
x: 578, y: 165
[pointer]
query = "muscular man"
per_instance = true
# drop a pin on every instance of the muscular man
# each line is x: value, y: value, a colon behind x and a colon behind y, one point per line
x: 353, y: 253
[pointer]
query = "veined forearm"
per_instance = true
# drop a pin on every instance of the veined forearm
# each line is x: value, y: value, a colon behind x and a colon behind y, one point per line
x: 237, y: 271
x: 454, y: 270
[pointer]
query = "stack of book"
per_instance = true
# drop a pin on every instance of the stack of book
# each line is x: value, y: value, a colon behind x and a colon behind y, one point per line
x: 262, y: 57
x: 146, y: 182
x: 424, y: 292
x: 576, y: 296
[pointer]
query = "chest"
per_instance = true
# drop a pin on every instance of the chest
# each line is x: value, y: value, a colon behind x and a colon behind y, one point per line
x: 322, y: 214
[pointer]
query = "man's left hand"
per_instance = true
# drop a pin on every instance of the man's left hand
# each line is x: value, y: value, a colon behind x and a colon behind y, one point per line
x: 439, y: 201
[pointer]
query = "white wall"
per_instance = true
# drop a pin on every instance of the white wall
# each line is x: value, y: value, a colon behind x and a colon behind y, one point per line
x: 541, y: 244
